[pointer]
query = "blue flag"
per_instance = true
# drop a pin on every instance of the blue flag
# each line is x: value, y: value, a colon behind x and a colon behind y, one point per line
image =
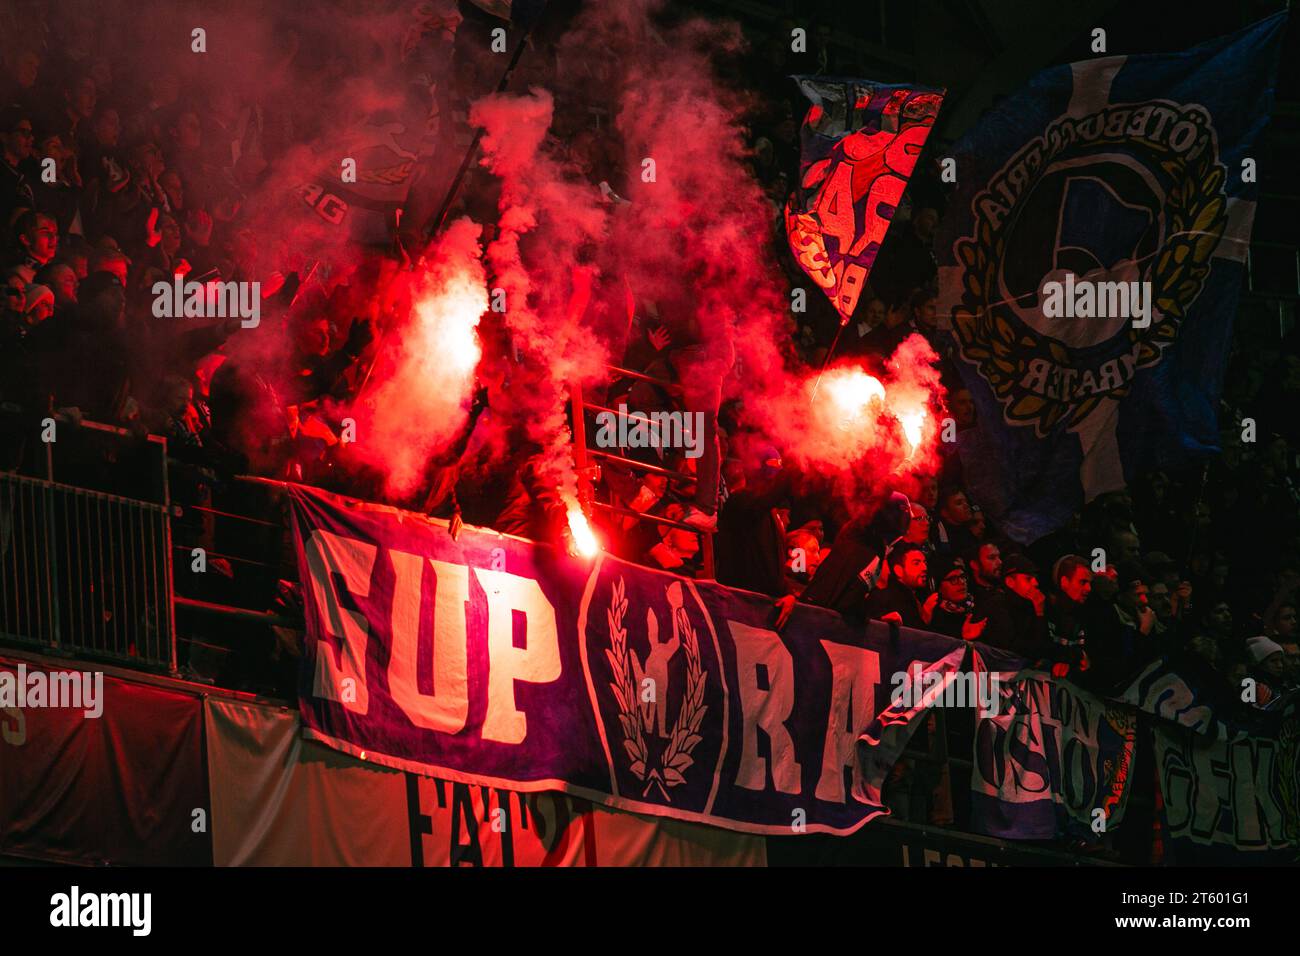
x: 1090, y: 264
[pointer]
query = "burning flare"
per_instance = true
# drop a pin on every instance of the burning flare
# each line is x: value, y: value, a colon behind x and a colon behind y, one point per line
x: 853, y: 390
x: 913, y: 424
x: 584, y: 539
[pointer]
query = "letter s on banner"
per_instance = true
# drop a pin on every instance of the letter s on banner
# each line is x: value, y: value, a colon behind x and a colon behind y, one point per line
x: 328, y: 555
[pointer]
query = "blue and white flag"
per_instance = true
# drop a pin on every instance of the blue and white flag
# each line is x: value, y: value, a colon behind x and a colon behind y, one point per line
x: 1090, y: 264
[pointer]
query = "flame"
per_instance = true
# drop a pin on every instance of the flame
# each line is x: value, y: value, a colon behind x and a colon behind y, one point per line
x: 852, y: 390
x: 447, y: 323
x: 912, y: 423
x: 584, y: 539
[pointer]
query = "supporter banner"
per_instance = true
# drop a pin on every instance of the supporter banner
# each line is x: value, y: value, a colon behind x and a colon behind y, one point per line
x: 495, y: 661
x: 280, y: 800
x: 1090, y: 264
x: 1162, y: 691
x: 883, y: 743
x: 1053, y: 759
x: 110, y: 775
x: 1229, y: 797
x: 859, y: 145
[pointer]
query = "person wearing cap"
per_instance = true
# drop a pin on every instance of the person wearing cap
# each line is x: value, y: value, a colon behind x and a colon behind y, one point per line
x: 13, y: 310
x: 112, y: 261
x: 1267, y: 667
x: 951, y: 608
x: 1123, y: 632
x: 1162, y: 569
x: 40, y: 304
x: 1015, y: 609
x: 1266, y: 655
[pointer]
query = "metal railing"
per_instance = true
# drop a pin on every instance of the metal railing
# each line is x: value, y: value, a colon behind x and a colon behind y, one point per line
x: 85, y: 572
x: 589, y: 462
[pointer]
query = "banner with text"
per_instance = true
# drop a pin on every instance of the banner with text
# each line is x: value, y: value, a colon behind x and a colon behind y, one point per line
x: 1051, y: 759
x: 280, y: 800
x: 1228, y: 796
x: 496, y: 661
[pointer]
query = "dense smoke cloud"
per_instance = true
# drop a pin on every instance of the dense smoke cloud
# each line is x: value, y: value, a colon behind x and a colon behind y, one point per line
x: 423, y: 398
x: 298, y: 89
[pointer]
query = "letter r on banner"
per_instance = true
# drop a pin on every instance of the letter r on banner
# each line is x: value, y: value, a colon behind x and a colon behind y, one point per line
x: 767, y: 708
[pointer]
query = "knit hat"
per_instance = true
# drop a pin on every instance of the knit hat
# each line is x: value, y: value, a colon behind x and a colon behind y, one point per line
x: 36, y: 294
x: 1262, y: 648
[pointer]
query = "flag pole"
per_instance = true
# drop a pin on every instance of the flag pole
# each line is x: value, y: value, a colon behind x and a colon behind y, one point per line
x: 440, y: 217
x: 829, y: 353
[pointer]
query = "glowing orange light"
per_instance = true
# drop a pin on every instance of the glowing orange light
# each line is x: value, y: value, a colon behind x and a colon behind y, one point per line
x: 852, y: 390
x: 913, y: 423
x: 584, y: 539
x: 447, y: 322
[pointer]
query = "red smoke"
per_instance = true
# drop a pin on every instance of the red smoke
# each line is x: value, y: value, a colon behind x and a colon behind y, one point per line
x: 696, y: 239
x: 423, y: 398
x: 866, y: 430
x: 546, y: 290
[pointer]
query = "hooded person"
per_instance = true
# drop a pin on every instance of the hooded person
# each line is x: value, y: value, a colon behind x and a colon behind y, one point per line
x: 750, y: 541
x: 856, y: 563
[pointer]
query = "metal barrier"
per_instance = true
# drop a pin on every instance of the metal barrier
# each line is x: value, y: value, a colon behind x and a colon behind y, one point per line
x: 84, y: 568
x: 85, y: 572
x: 589, y: 460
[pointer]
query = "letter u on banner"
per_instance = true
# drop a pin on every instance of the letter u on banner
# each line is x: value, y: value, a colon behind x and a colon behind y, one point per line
x: 447, y: 708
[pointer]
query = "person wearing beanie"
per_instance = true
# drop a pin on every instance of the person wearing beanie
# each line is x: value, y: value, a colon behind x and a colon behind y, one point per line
x: 40, y: 304
x: 1267, y: 668
x: 1266, y: 654
x: 950, y: 609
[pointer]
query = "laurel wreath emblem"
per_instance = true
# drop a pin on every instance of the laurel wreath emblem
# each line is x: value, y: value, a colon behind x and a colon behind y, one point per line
x: 1197, y: 215
x: 636, y: 717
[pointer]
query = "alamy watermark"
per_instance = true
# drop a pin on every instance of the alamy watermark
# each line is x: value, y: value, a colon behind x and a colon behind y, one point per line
x: 917, y: 687
x: 624, y: 429
x: 1086, y: 299
x: 72, y: 690
x: 209, y: 300
x: 76, y: 909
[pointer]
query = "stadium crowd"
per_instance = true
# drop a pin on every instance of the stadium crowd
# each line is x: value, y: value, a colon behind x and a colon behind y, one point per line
x: 151, y: 169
